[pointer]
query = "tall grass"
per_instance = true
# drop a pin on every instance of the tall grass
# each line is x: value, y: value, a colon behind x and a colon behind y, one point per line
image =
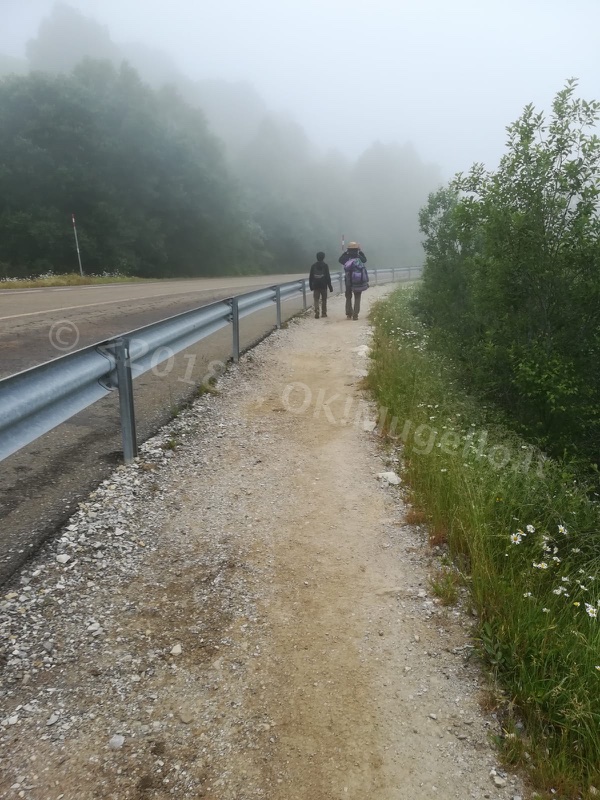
x: 71, y: 279
x: 524, y: 533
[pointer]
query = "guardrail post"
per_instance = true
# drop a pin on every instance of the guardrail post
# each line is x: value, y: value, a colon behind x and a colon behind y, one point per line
x: 278, y: 304
x: 340, y: 278
x: 304, y: 294
x: 127, y: 409
x: 375, y: 273
x: 235, y: 322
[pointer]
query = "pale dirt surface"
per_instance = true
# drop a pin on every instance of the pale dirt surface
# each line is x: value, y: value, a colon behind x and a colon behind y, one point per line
x: 314, y: 663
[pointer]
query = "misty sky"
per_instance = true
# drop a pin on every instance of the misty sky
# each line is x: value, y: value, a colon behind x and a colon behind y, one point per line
x: 448, y: 75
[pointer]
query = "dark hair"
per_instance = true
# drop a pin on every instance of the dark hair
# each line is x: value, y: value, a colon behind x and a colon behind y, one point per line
x: 320, y: 256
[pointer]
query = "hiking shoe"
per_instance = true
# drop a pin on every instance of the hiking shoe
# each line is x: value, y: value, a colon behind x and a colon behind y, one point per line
x: 323, y: 315
x: 316, y: 316
x: 355, y: 317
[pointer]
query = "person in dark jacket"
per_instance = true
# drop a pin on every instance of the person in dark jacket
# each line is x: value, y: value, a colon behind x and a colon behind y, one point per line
x: 354, y: 290
x: 319, y: 280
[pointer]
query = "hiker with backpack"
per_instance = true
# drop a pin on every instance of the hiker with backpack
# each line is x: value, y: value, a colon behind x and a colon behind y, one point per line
x: 356, y: 277
x: 319, y: 280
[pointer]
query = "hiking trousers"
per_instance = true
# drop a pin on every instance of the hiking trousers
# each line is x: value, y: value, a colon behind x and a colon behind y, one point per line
x: 352, y: 312
x: 320, y: 298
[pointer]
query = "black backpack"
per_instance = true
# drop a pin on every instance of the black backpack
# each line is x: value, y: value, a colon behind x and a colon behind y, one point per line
x: 320, y: 275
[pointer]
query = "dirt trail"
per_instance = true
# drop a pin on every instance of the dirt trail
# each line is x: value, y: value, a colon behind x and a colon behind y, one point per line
x: 267, y: 632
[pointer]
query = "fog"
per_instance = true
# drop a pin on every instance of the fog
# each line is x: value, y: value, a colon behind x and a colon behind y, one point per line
x: 446, y: 75
x: 318, y: 100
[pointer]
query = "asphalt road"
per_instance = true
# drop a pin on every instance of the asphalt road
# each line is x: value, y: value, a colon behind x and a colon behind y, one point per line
x: 32, y: 328
x: 42, y: 484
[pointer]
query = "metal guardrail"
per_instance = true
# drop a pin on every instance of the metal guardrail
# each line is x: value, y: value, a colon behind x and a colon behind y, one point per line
x: 36, y: 400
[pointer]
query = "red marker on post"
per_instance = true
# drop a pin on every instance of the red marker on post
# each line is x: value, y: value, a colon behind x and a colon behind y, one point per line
x: 77, y: 245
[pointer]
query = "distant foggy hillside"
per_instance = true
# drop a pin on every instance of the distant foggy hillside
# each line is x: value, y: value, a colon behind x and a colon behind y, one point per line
x: 296, y: 199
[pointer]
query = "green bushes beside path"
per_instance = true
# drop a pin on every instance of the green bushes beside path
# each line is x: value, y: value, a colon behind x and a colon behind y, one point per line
x: 524, y: 534
x: 511, y: 283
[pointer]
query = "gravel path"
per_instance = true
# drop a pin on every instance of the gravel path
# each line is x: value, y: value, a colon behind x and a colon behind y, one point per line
x: 244, y: 613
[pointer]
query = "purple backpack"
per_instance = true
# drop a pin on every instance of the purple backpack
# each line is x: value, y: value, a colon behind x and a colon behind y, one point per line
x: 356, y: 275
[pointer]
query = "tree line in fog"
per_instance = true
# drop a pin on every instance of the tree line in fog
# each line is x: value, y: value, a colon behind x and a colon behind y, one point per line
x: 172, y: 177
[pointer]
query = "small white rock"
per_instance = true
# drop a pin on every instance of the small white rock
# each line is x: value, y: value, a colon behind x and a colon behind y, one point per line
x: 176, y: 650
x: 63, y: 558
x: 389, y: 477
x: 116, y: 742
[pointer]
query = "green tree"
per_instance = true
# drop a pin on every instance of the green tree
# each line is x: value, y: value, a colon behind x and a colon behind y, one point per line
x: 450, y: 243
x: 65, y: 38
x: 523, y: 246
x: 148, y: 183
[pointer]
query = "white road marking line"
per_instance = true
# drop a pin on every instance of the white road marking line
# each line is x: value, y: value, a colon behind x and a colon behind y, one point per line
x: 20, y: 291
x: 120, y: 300
x: 67, y: 308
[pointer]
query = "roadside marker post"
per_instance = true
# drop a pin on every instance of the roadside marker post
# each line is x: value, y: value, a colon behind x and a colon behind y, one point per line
x: 77, y: 245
